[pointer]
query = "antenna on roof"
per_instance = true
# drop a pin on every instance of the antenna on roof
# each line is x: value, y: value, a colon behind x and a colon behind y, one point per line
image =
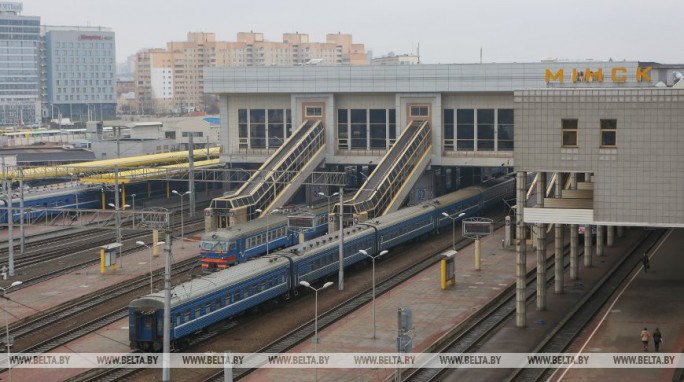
x: 418, y: 53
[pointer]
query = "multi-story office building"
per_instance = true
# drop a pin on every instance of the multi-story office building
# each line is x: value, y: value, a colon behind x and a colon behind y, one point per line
x: 172, y: 79
x: 80, y: 72
x: 20, y: 94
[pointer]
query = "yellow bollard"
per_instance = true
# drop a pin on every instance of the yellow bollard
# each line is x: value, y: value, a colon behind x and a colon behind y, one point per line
x: 155, y: 240
x: 103, y: 269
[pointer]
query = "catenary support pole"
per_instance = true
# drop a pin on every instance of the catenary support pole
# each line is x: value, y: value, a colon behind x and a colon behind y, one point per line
x: 558, y: 241
x: 541, y: 246
x: 521, y: 265
x: 574, y: 252
x: 587, y: 246
x: 341, y: 247
x: 166, y: 346
x: 191, y: 174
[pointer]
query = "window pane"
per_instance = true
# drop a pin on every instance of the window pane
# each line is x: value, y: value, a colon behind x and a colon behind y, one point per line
x: 608, y: 138
x: 358, y: 116
x: 342, y: 116
x: 242, y: 123
x: 570, y: 124
x: 465, y: 129
x: 392, y: 124
x: 257, y: 128
x: 505, y: 130
x: 485, y: 130
x: 358, y: 135
x: 377, y: 136
x: 570, y: 138
x: 608, y: 132
x: 378, y: 116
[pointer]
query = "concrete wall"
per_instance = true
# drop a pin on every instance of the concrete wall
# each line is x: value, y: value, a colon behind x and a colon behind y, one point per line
x: 641, y: 179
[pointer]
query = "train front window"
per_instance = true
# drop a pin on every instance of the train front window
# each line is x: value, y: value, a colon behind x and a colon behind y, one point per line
x: 231, y: 246
x: 208, y: 245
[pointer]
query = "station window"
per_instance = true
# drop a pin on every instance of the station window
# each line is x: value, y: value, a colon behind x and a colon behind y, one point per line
x: 313, y: 111
x: 570, y: 132
x: 609, y: 133
x: 419, y: 111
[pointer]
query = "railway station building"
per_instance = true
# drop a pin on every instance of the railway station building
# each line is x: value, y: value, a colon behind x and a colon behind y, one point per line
x: 605, y: 139
x: 615, y: 122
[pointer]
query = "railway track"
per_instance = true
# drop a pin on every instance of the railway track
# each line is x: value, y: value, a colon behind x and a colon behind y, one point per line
x: 120, y: 294
x: 569, y: 328
x: 476, y: 330
x: 54, y: 243
x: 78, y: 262
x: 301, y: 333
x: 305, y: 331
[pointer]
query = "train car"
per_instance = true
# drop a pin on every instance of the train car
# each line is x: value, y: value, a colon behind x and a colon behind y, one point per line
x: 201, y: 303
x: 237, y: 244
x: 67, y: 197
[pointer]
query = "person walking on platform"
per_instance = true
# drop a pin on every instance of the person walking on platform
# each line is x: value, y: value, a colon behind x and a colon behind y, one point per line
x: 645, y: 335
x: 647, y: 263
x: 657, y: 339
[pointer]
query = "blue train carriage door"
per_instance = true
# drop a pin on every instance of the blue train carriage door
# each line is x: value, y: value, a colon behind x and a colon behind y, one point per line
x: 146, y: 324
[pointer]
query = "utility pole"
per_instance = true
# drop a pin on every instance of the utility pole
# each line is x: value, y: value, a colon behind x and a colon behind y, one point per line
x: 22, y: 236
x: 191, y: 173
x: 117, y: 206
x: 166, y: 345
x: 341, y: 248
x: 117, y: 132
x: 7, y: 185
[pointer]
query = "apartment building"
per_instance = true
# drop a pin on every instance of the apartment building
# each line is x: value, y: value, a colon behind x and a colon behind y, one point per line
x: 171, y: 80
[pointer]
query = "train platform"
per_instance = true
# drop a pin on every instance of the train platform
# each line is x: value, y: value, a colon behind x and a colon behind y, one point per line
x: 112, y: 338
x: 437, y: 311
x: 652, y: 299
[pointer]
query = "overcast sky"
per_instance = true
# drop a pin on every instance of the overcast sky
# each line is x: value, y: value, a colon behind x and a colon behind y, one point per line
x: 448, y: 31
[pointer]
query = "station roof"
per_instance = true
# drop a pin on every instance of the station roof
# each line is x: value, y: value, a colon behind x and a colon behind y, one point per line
x: 141, y: 174
x: 108, y: 165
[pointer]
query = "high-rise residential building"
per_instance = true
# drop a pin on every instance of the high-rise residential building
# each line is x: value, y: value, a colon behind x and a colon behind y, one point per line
x: 80, y: 72
x: 172, y: 79
x: 20, y: 91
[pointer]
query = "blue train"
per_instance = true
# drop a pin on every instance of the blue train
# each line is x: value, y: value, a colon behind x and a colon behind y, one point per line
x: 198, y: 304
x: 58, y: 197
x: 237, y: 244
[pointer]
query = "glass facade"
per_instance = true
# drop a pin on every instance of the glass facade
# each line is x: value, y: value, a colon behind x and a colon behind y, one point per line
x: 478, y: 129
x: 19, y: 70
x: 81, y: 72
x: 263, y: 128
x: 366, y: 129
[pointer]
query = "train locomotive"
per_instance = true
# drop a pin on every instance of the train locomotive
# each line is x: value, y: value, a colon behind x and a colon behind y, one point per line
x: 237, y: 244
x: 198, y: 304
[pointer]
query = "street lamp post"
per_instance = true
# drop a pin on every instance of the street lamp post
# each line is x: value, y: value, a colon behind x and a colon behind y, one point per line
x: 118, y: 226
x: 329, y: 199
x: 453, y: 231
x: 306, y: 284
x: 364, y: 252
x: 182, y: 229
x: 150, y: 248
x: 7, y: 336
